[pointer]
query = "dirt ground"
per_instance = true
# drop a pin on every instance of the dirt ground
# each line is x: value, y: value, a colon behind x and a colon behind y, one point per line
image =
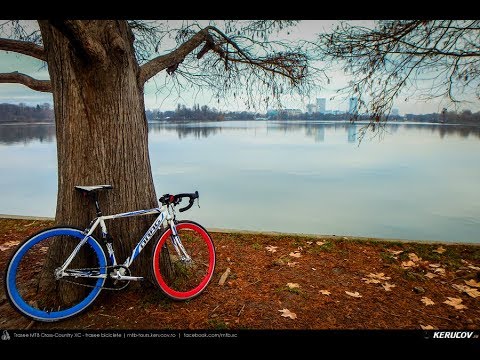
x: 291, y: 282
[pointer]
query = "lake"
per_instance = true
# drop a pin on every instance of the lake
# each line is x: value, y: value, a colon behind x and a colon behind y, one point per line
x: 418, y: 181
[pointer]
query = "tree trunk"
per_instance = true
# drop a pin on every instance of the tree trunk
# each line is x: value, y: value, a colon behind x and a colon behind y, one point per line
x: 102, y: 134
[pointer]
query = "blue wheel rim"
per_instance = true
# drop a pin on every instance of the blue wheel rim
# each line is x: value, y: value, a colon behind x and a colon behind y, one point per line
x: 23, y: 306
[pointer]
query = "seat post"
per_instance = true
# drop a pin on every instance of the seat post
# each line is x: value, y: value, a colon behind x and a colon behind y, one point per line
x: 97, y: 205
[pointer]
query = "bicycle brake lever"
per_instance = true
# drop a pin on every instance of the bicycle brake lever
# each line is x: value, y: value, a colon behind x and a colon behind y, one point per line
x: 198, y: 202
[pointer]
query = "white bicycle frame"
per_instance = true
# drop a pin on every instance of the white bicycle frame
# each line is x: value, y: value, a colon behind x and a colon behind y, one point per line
x: 164, y: 214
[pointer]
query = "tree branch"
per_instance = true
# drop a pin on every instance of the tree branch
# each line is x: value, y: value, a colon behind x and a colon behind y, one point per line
x: 172, y: 59
x: 23, y: 47
x: 75, y: 31
x: 19, y: 78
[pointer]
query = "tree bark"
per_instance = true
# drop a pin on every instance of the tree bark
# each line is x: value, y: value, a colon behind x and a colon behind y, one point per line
x: 101, y: 129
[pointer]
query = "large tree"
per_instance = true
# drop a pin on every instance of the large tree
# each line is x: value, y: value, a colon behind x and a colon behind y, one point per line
x: 98, y: 70
x: 422, y: 59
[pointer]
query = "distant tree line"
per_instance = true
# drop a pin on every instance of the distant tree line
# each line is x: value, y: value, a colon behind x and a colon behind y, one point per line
x: 24, y: 113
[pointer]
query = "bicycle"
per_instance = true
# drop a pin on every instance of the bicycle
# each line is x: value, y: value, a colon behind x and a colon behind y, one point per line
x: 86, y: 268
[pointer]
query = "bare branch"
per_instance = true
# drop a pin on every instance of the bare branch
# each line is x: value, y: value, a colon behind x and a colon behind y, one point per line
x: 171, y: 60
x: 76, y: 32
x: 23, y: 47
x: 19, y: 78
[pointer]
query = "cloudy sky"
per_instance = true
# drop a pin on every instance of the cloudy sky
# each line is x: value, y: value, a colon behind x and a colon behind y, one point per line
x: 306, y: 30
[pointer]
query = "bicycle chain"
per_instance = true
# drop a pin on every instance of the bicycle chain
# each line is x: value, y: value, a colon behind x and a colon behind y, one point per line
x: 101, y: 287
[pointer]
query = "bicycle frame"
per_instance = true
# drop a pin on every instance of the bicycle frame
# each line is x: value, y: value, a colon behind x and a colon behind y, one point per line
x: 164, y: 214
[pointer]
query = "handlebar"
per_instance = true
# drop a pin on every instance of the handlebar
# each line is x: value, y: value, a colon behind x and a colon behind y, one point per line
x: 167, y: 199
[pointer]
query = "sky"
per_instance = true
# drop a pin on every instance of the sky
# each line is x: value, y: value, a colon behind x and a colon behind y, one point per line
x: 306, y: 30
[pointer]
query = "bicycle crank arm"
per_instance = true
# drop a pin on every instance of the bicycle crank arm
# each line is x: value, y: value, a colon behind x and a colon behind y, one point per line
x: 126, y: 277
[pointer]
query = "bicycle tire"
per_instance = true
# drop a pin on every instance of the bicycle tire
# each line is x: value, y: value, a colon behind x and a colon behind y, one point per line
x: 198, y: 251
x: 28, y: 248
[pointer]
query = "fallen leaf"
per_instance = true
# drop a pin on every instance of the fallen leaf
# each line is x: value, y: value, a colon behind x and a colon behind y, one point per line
x: 309, y: 242
x: 293, y: 285
x: 380, y: 276
x: 430, y: 275
x: 395, y: 252
x: 320, y: 243
x: 428, y: 327
x: 130, y: 308
x: 472, y: 283
x: 353, y: 294
x: 371, y: 281
x: 345, y: 238
x: 441, y: 271
x: 407, y: 264
x: 455, y: 302
x: 413, y: 257
x: 295, y: 254
x: 474, y: 267
x: 440, y: 250
x: 434, y: 265
x: 468, y: 290
x: 427, y: 301
x: 288, y: 313
x: 9, y: 244
x: 314, y: 269
x: 292, y: 264
x: 325, y: 292
x: 300, y: 248
x: 224, y: 276
x: 271, y: 248
x: 388, y: 286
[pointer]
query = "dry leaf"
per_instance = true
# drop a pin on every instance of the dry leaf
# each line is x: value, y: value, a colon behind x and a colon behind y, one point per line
x: 474, y: 267
x: 314, y: 269
x: 380, y: 276
x: 430, y: 275
x: 427, y: 301
x: 472, y: 283
x: 9, y: 244
x: 440, y: 250
x: 407, y: 264
x: 434, y: 265
x: 309, y: 242
x: 224, y: 276
x: 455, y: 302
x: 325, y: 292
x: 295, y: 254
x: 292, y: 264
x: 353, y: 294
x: 288, y: 313
x: 395, y: 252
x: 428, y: 327
x: 320, y: 243
x: 293, y: 285
x: 300, y: 248
x: 468, y: 290
x: 388, y: 286
x: 371, y: 281
x: 271, y: 248
x: 441, y: 271
x: 413, y: 257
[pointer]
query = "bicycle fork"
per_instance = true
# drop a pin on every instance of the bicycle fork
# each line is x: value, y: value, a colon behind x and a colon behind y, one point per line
x: 177, y: 244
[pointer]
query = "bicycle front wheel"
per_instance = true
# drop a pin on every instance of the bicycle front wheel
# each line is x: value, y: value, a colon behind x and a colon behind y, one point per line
x: 183, y: 278
x: 31, y: 284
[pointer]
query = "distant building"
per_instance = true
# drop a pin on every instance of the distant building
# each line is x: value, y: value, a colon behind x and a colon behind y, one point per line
x: 311, y: 108
x: 321, y: 105
x: 395, y: 112
x: 353, y: 105
x: 292, y: 112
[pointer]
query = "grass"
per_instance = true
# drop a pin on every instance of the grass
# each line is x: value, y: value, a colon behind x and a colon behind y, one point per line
x: 217, y: 324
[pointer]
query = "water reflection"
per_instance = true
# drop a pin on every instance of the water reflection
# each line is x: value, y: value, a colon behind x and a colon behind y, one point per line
x: 15, y: 134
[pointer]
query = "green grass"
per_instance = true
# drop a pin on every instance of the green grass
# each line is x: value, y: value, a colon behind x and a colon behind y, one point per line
x: 257, y: 246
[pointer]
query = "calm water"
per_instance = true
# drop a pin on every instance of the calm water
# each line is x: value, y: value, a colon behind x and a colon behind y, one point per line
x: 418, y: 182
